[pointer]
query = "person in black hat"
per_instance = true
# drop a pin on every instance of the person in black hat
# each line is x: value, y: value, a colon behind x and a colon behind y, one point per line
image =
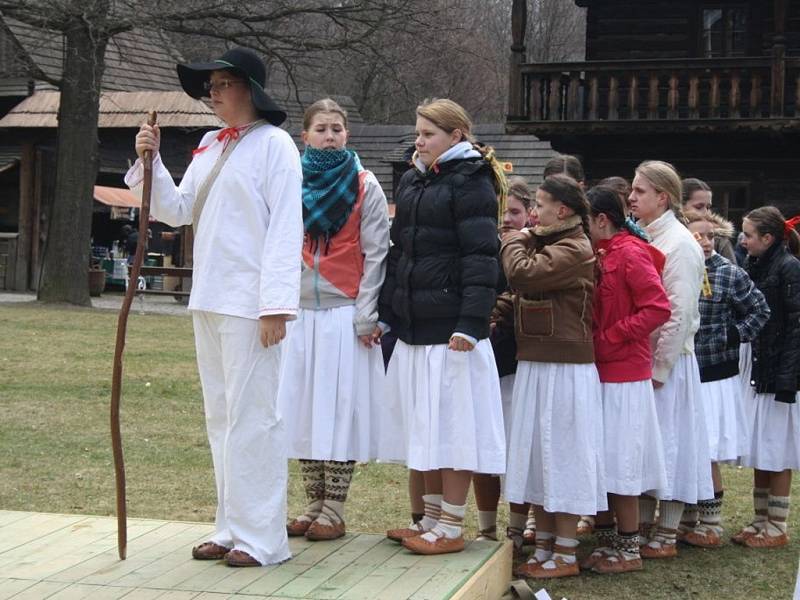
x: 242, y: 194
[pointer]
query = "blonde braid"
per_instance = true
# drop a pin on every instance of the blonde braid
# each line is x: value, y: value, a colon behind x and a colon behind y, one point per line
x: 500, y: 180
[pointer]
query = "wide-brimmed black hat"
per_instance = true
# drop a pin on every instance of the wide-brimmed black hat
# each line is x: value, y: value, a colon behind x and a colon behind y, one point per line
x: 242, y: 61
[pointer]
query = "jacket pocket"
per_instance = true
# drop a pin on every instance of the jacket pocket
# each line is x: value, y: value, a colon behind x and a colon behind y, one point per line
x: 534, y: 317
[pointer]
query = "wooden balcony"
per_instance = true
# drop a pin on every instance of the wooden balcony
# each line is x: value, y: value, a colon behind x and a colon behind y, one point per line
x: 671, y: 96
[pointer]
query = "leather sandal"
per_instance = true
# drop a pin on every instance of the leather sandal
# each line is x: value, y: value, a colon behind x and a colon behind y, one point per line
x: 398, y: 535
x: 298, y: 527
x: 318, y: 532
x: 746, y: 532
x: 615, y: 563
x: 442, y: 545
x: 595, y: 557
x: 240, y: 558
x: 763, y: 540
x: 209, y: 551
x: 561, y: 569
x: 702, y: 537
x: 662, y: 550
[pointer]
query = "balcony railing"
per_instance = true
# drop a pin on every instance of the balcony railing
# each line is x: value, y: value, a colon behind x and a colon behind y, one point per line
x: 657, y: 90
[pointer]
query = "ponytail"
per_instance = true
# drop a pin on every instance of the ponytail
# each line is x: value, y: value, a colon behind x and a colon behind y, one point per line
x: 769, y: 220
x: 500, y: 180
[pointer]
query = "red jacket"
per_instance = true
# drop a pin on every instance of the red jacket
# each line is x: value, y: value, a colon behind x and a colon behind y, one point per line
x: 629, y: 304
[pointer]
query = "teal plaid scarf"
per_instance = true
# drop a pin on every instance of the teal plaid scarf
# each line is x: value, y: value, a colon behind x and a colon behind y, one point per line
x: 330, y: 190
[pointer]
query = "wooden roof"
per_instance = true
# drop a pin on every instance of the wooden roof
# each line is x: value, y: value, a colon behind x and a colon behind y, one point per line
x: 118, y: 109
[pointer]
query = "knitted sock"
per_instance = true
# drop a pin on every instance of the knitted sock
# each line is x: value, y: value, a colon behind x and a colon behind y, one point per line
x: 627, y: 544
x: 433, y: 510
x: 487, y: 521
x: 530, y: 523
x: 760, y: 504
x: 451, y: 522
x: 711, y: 513
x: 689, y: 518
x: 338, y: 476
x: 544, y: 547
x: 778, y: 511
x: 647, y: 509
x: 516, y: 525
x: 669, y: 518
x: 565, y: 549
x: 313, y: 473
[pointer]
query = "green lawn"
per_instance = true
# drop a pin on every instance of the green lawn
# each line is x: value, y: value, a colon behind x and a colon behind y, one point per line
x: 55, y: 381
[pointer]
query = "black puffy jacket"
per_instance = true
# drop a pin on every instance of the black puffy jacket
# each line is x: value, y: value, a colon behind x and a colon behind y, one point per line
x: 776, y: 350
x: 443, y: 265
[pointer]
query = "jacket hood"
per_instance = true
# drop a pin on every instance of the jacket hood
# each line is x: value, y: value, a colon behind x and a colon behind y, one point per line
x: 722, y: 227
x: 625, y: 238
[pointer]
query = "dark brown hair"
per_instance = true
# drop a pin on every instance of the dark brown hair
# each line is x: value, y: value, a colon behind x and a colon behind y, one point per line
x: 518, y: 187
x: 565, y: 164
x: 569, y: 192
x: 768, y: 219
x: 604, y: 200
x: 619, y: 184
x: 690, y: 186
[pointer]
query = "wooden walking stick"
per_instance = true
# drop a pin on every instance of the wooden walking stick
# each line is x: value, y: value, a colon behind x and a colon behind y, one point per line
x: 122, y: 326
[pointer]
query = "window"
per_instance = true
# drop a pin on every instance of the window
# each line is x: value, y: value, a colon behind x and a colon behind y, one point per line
x: 724, y: 31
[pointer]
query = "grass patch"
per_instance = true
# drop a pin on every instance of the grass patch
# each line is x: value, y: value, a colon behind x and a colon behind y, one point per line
x: 55, y: 386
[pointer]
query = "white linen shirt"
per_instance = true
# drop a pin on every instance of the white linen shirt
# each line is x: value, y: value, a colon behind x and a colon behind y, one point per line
x: 683, y: 279
x: 248, y: 243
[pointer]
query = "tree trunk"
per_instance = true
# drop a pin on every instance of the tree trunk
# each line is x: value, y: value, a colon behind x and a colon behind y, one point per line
x: 66, y: 259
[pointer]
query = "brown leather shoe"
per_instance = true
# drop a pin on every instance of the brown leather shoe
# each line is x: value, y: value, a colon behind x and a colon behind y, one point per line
x: 595, y: 557
x: 240, y: 558
x: 298, y: 527
x: 746, y: 532
x: 562, y: 569
x: 661, y: 551
x: 398, y: 535
x: 318, y: 532
x: 763, y: 540
x: 442, y: 545
x: 209, y: 551
x: 614, y: 564
x: 702, y: 538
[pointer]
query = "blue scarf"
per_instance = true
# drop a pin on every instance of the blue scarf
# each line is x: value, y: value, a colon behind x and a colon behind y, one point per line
x: 330, y: 190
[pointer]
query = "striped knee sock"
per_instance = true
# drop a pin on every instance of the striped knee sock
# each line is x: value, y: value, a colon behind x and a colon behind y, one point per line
x: 338, y: 476
x: 711, y: 513
x: 627, y: 544
x: 451, y: 522
x: 313, y: 473
x: 760, y: 505
x: 778, y: 511
x: 668, y: 520
x: 433, y: 510
x: 689, y: 517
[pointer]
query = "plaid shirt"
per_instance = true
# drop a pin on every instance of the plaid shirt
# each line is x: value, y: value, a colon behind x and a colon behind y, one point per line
x: 733, y: 310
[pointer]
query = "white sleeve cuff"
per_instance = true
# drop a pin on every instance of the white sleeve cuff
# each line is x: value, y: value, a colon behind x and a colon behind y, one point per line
x: 464, y: 336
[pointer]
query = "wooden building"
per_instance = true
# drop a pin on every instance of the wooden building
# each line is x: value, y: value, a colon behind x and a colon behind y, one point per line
x: 712, y: 87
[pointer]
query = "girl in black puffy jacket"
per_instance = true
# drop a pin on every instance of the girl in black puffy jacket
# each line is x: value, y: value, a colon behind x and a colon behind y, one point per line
x: 773, y: 247
x: 443, y: 413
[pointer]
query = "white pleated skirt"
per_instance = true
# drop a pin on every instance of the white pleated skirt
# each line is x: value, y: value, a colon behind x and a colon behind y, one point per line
x: 774, y: 433
x: 506, y: 394
x: 555, y: 449
x: 330, y: 385
x: 725, y: 419
x: 634, y: 454
x: 681, y: 418
x: 442, y: 410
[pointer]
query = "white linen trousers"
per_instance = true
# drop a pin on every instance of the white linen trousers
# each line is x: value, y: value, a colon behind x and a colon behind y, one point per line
x: 240, y: 383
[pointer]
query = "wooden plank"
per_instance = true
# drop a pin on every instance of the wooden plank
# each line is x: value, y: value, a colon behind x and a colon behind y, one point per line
x: 380, y: 580
x: 36, y: 526
x: 9, y: 516
x: 142, y: 594
x: 9, y: 587
x: 80, y: 591
x: 328, y: 567
x: 42, y: 589
x: 344, y: 580
x: 106, y: 567
x: 492, y: 580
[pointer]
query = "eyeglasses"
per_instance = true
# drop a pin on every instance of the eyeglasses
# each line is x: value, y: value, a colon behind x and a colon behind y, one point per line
x: 220, y: 86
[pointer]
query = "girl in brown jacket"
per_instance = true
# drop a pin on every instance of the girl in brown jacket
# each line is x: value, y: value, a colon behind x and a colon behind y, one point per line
x: 555, y: 436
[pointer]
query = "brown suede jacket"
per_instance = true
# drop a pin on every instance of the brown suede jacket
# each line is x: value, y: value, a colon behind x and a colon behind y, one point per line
x: 551, y: 273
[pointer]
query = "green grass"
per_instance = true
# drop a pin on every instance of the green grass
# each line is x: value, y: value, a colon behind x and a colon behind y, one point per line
x: 55, y: 382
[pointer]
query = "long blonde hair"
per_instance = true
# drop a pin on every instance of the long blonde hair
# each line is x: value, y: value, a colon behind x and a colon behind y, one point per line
x: 665, y: 179
x: 449, y: 116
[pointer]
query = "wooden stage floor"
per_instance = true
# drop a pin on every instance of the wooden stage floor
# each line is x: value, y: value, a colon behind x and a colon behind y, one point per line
x: 75, y: 556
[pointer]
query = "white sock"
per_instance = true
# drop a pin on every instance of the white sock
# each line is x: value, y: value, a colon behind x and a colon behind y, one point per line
x: 433, y: 509
x: 543, y: 551
x: 332, y: 512
x: 487, y: 520
x: 450, y: 524
x: 566, y: 543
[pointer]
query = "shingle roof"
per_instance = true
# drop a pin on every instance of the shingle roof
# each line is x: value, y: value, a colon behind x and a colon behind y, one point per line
x: 118, y: 109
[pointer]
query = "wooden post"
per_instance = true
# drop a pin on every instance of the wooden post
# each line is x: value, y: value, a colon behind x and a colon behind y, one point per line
x: 652, y: 97
x: 594, y: 98
x: 26, y: 201
x: 633, y: 98
x: 736, y: 96
x: 713, y: 97
x: 613, y: 98
x: 694, y: 96
x: 555, y: 98
x: 573, y: 112
x: 516, y: 89
x: 755, y: 95
x: 778, y: 87
x: 535, y: 112
x: 674, y: 97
